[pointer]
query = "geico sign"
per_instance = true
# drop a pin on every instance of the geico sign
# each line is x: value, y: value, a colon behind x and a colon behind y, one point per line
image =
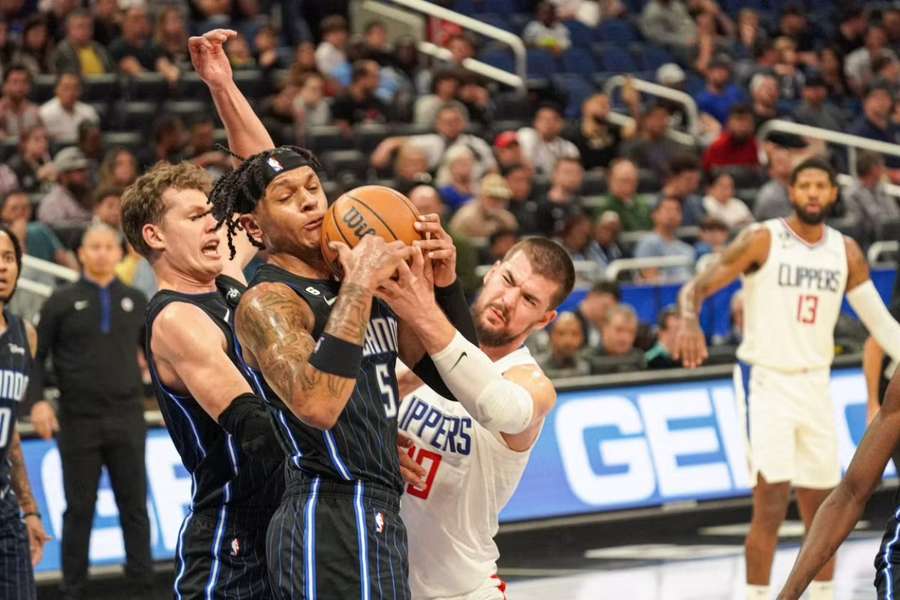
x: 664, y: 443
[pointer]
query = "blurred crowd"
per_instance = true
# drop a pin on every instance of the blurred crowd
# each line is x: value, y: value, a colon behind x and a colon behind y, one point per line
x: 94, y: 93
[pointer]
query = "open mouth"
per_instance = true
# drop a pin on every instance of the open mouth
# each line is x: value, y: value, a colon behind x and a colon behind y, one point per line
x: 211, y: 249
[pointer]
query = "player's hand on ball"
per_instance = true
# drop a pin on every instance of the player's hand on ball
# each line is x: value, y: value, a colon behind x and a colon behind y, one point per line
x: 209, y: 58
x: 37, y: 537
x: 371, y: 261
x: 690, y: 343
x: 437, y: 246
x: 413, y: 289
x: 413, y: 473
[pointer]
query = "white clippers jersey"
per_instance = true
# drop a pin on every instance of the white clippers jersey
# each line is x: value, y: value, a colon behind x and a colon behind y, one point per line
x: 792, y: 303
x: 471, y: 475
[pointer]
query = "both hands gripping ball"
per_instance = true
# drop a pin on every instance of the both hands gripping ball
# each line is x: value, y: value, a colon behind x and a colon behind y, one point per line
x: 370, y: 209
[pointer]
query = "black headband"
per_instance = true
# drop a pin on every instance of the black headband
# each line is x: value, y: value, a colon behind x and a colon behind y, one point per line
x: 280, y: 160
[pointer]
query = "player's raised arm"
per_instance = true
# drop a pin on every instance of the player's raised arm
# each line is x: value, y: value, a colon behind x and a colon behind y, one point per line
x: 246, y: 134
x: 274, y: 327
x: 749, y: 251
x: 864, y: 298
x: 197, y: 357
x: 839, y: 513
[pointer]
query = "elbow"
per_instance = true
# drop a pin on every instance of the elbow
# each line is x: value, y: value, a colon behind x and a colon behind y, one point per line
x: 315, y: 414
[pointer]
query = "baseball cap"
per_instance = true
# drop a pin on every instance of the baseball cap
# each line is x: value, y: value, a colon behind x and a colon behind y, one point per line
x: 670, y: 74
x: 506, y: 139
x: 70, y: 159
x: 495, y: 186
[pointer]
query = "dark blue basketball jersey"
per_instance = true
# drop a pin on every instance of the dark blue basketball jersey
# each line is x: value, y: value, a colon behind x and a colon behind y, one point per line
x: 15, y: 369
x: 220, y: 473
x: 363, y: 443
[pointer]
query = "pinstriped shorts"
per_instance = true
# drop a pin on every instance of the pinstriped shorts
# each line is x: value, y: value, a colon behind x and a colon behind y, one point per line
x: 16, y: 574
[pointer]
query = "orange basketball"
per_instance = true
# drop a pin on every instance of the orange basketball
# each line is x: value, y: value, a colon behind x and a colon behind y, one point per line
x: 370, y: 209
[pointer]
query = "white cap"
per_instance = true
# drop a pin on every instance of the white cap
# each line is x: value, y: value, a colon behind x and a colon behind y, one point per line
x: 670, y: 74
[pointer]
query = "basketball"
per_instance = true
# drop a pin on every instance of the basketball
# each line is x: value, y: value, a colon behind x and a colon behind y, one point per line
x: 370, y: 209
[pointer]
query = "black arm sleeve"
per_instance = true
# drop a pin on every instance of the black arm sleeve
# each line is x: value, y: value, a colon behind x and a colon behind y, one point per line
x: 453, y: 302
x: 247, y: 420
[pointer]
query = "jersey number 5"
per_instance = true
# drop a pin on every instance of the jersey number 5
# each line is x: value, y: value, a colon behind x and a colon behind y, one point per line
x: 806, y: 309
x: 434, y: 461
x: 387, y: 392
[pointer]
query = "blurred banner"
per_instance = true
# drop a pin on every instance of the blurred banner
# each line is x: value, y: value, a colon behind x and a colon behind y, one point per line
x: 601, y: 450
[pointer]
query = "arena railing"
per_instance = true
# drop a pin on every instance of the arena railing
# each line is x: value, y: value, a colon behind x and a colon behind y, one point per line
x: 837, y: 138
x: 518, y: 79
x: 50, y: 268
x: 661, y: 91
x: 637, y: 264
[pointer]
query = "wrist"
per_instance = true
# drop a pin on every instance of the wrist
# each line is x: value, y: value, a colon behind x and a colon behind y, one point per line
x: 361, y: 277
x: 31, y: 513
x: 220, y: 86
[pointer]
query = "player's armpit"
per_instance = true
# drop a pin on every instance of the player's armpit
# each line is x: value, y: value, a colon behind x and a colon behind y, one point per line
x: 273, y: 325
x: 31, y: 334
x: 858, y: 266
x: 19, y: 476
x: 542, y: 393
x: 187, y: 344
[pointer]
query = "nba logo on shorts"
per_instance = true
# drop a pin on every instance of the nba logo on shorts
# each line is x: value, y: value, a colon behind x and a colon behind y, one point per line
x: 379, y: 522
x: 235, y: 547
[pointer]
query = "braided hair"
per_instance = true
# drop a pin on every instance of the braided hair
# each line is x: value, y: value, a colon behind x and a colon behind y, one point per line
x: 240, y: 191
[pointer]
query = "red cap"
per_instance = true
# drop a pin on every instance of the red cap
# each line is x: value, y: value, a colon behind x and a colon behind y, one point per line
x: 506, y: 139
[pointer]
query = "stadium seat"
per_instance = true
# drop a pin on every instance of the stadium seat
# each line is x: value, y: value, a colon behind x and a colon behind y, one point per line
x: 540, y: 64
x: 146, y: 87
x: 466, y: 7
x: 187, y: 110
x: 102, y: 109
x: 648, y: 182
x: 579, y: 61
x: 369, y: 136
x: 126, y: 139
x: 506, y: 125
x: 616, y: 31
x: 99, y: 88
x: 191, y: 87
x: 501, y: 7
x: 136, y: 116
x: 576, y: 90
x: 8, y: 147
x: 513, y: 106
x: 42, y: 88
x: 499, y: 58
x: 69, y: 235
x: 327, y: 138
x: 652, y: 57
x: 251, y: 82
x: 615, y: 59
x: 594, y: 183
x: 580, y: 34
x: 744, y: 176
x: 498, y: 20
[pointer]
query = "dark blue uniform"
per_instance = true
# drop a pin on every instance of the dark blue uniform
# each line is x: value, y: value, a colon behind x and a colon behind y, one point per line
x: 221, y: 546
x: 16, y: 575
x: 338, y: 532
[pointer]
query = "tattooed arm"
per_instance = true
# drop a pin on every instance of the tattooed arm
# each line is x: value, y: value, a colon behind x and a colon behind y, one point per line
x: 749, y: 251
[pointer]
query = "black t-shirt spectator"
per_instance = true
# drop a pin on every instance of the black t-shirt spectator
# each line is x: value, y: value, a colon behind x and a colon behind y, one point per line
x: 147, y: 54
x: 369, y: 110
x: 597, y: 150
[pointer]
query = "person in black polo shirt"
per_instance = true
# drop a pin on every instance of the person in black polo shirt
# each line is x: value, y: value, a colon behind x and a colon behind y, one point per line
x: 92, y: 329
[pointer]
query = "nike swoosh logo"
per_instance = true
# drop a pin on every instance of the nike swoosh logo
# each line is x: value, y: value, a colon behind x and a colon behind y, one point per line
x: 461, y: 356
x: 330, y: 301
x: 81, y: 304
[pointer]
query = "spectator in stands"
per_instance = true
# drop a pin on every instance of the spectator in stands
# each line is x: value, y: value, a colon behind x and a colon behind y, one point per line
x: 794, y: 25
x: 427, y: 200
x: 410, y: 168
x: 787, y: 72
x: 64, y: 112
x: 475, y: 96
x: 106, y: 16
x: 37, y: 46
x: 546, y: 31
x: 651, y: 148
x: 564, y: 359
x: 596, y: 138
x: 451, y: 123
x: 737, y: 144
x: 592, y: 311
x: 375, y: 44
x: 101, y: 414
x: 721, y: 204
x: 749, y: 33
x: 36, y: 238
x: 660, y: 355
x: 867, y: 201
x: 17, y: 113
x: 508, y: 151
x: 201, y: 147
x: 240, y: 56
x: 522, y: 203
x: 455, y: 178
x: 498, y: 245
x: 67, y: 202
x: 90, y: 142
x: 488, y: 213
x: 135, y: 51
x: 720, y: 95
x: 444, y: 88
x: 668, y: 23
x: 606, y: 233
x: 876, y: 123
x: 618, y: 354
x: 858, y: 64
x: 332, y: 52
x: 576, y: 238
x: 359, y: 103
x: 831, y: 67
x: 851, y: 29
x: 304, y: 62
x: 108, y: 207
x: 633, y: 208
x: 772, y: 200
x: 713, y: 237
x: 890, y: 20
x: 682, y: 182
x: 168, y: 139
x: 32, y: 164
x: 563, y: 200
x: 542, y: 143
x: 662, y: 241
x: 118, y: 169
x: 461, y: 47
x: 764, y: 98
x: 7, y: 46
x: 78, y: 52
x: 816, y: 110
x: 265, y: 49
x: 887, y: 69
x: 171, y: 35
x: 310, y: 108
x: 736, y: 335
